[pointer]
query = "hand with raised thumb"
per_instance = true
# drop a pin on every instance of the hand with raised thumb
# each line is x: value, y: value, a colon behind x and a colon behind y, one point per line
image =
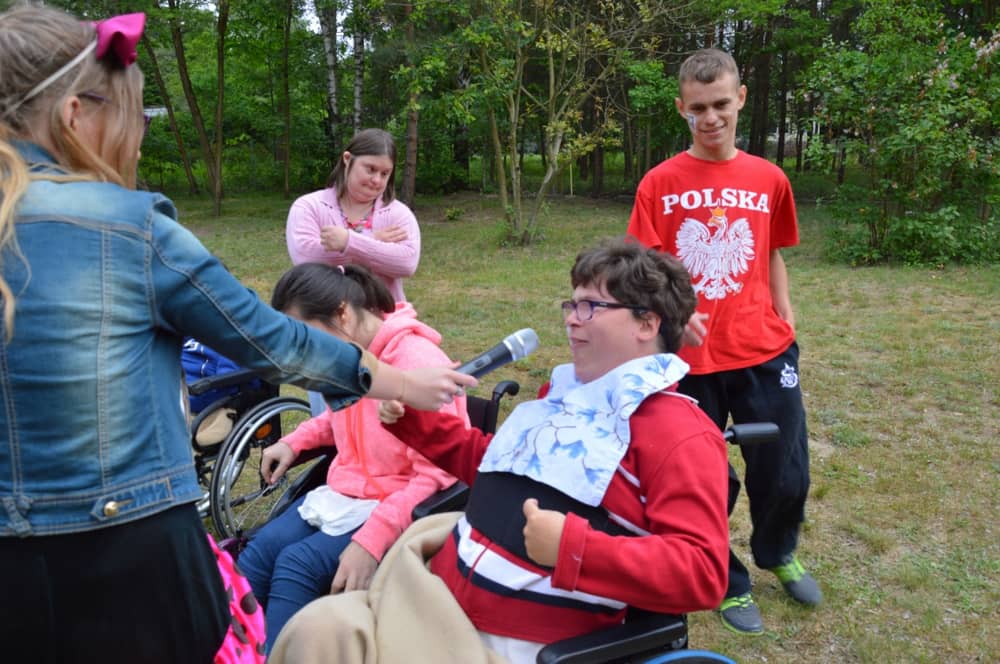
x: 542, y: 533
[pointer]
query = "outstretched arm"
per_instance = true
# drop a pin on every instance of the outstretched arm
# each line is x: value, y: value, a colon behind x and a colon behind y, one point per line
x: 442, y: 438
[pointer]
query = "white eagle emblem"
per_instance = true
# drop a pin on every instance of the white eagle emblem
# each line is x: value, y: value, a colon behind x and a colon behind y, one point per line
x: 715, y: 260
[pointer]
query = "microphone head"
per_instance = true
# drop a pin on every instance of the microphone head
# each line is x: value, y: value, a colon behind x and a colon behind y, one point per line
x: 522, y: 343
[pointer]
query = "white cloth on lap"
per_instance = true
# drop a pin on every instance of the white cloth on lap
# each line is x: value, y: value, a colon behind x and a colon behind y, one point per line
x: 334, y: 513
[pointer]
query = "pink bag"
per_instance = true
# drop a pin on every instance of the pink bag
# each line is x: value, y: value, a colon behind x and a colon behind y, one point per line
x: 244, y: 642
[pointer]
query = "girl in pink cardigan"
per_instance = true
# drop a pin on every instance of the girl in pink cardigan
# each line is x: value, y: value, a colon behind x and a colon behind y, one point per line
x: 357, y: 219
x: 332, y: 539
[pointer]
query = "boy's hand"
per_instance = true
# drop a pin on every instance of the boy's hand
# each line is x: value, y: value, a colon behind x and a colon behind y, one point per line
x: 390, y: 411
x: 695, y: 330
x: 542, y: 533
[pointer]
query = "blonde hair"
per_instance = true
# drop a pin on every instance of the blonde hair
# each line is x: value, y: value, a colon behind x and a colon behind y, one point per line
x: 35, y: 42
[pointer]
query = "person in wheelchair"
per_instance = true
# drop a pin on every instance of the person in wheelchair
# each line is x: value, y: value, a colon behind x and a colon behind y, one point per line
x: 609, y: 491
x: 338, y: 532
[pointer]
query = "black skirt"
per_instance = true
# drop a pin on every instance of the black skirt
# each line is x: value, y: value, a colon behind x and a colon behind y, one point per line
x: 147, y: 591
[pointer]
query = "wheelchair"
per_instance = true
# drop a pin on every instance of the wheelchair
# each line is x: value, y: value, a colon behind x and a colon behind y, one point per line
x: 644, y: 638
x: 238, y: 425
x: 241, y: 502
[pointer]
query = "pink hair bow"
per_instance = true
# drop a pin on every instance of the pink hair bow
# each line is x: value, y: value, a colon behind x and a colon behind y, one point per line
x: 119, y: 35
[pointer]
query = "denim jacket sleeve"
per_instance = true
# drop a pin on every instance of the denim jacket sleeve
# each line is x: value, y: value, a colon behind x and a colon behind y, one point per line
x: 194, y: 294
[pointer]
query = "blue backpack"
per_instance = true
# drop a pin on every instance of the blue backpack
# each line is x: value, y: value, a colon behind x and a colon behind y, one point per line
x: 199, y: 361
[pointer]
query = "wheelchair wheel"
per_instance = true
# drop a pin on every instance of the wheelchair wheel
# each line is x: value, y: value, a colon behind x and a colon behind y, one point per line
x: 239, y: 498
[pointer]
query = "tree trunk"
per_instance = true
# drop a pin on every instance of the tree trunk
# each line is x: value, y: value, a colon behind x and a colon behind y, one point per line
x: 359, y: 63
x: 761, y: 92
x: 629, y: 134
x: 327, y: 13
x: 782, y: 108
x: 597, y: 181
x: 196, y: 118
x: 288, y: 98
x: 169, y: 105
x: 409, y: 185
x: 501, y: 175
x: 220, y: 54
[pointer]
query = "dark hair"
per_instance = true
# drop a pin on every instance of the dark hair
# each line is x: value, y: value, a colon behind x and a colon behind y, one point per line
x: 707, y: 65
x: 641, y: 277
x: 367, y: 142
x: 318, y: 290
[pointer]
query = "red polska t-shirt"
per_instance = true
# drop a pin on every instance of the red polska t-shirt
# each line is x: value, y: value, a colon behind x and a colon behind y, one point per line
x: 722, y: 220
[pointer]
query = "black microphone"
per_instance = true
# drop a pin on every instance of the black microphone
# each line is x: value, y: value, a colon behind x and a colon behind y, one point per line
x: 513, y: 348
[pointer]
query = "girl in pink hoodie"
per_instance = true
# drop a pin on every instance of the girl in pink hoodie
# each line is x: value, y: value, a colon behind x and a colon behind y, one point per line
x: 332, y: 539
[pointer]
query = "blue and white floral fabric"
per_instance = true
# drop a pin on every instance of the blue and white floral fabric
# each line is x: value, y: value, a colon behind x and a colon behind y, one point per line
x: 574, y: 438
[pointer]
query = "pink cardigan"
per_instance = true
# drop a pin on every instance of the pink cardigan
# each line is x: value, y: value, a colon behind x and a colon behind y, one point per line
x: 370, y: 461
x: 391, y: 261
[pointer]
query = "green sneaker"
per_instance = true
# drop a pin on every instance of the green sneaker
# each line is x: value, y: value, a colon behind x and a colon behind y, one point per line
x: 740, y: 614
x: 798, y: 583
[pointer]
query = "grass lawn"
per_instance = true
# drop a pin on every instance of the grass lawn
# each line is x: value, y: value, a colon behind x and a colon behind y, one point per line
x: 900, y: 369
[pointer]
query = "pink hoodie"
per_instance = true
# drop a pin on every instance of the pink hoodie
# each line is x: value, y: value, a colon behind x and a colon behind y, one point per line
x: 370, y: 461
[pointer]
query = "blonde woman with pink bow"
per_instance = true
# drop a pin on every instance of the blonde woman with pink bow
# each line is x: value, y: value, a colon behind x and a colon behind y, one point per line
x: 103, y: 555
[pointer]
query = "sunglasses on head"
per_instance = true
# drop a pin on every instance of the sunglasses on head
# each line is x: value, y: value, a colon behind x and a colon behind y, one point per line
x: 93, y: 96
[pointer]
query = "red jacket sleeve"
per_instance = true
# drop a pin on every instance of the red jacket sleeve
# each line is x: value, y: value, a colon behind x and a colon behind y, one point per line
x: 444, y: 439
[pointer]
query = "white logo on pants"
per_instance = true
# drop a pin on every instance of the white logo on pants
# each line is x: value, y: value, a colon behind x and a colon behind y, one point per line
x: 789, y: 378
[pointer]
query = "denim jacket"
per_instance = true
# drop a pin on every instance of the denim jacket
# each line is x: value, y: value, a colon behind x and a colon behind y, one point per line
x: 106, y: 285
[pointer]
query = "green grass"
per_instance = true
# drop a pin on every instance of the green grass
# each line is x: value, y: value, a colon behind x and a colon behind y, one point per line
x: 900, y: 368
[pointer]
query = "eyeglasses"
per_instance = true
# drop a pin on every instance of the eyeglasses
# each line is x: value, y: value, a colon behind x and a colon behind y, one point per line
x: 585, y: 308
x: 93, y: 96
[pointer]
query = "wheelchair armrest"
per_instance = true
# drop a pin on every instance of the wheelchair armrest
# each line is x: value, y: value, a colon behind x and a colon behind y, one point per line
x: 752, y: 433
x: 219, y: 381
x: 506, y: 388
x: 446, y: 500
x: 650, y: 633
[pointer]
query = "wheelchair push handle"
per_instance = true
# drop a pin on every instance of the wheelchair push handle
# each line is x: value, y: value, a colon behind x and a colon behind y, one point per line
x: 752, y: 433
x: 219, y: 381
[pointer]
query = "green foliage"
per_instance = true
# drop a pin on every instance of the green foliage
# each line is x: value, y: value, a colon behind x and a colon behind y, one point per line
x: 917, y: 107
x: 651, y: 96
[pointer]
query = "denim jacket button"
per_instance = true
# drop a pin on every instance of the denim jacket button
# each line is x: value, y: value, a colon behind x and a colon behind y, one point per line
x: 111, y: 509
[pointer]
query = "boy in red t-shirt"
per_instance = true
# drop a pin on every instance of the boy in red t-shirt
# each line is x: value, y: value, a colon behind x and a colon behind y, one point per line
x: 726, y: 214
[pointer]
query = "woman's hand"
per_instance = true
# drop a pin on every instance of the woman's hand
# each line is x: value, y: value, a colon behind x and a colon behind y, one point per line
x: 542, y: 533
x: 275, y: 460
x: 429, y: 388
x: 390, y: 234
x: 356, y: 569
x: 424, y: 388
x: 333, y: 238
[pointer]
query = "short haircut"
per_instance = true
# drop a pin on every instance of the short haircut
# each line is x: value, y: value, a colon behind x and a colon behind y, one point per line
x: 706, y: 66
x: 641, y: 277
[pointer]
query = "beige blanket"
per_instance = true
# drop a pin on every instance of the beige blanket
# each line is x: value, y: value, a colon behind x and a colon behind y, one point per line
x: 408, y: 616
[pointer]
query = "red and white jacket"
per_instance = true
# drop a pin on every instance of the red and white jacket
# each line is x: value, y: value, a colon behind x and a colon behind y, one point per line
x: 666, y: 550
